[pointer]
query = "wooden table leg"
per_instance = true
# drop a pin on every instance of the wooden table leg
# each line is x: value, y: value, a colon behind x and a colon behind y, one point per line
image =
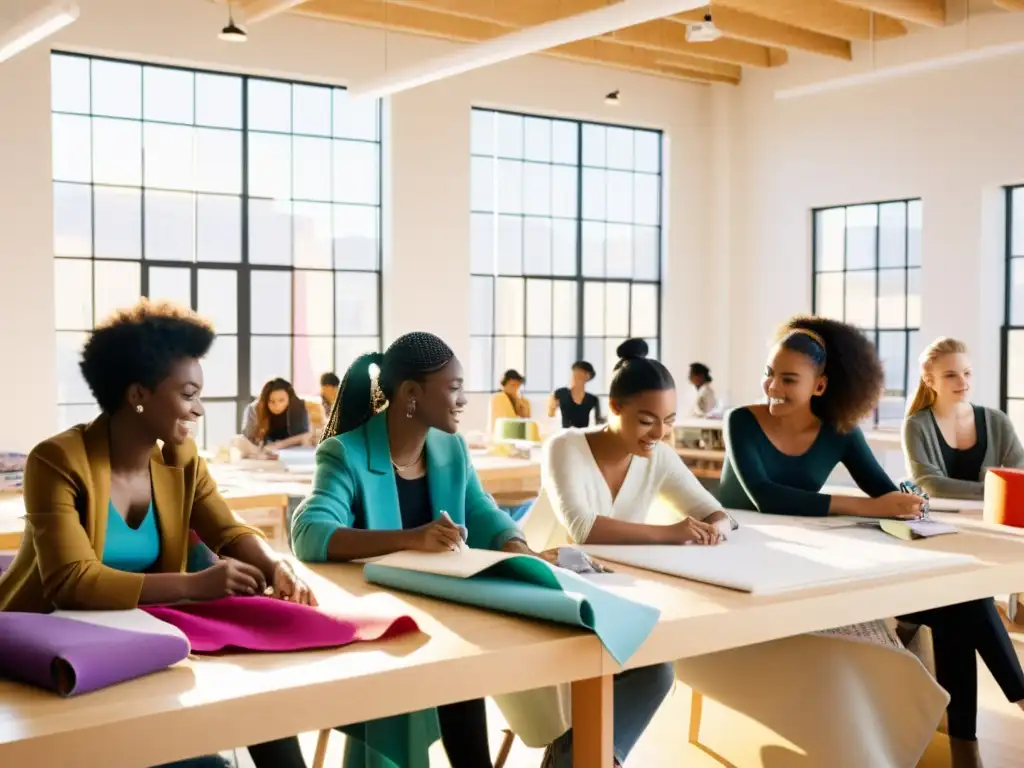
x: 592, y: 723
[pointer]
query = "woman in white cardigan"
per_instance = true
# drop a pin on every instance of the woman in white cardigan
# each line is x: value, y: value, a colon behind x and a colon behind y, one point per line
x: 845, y: 704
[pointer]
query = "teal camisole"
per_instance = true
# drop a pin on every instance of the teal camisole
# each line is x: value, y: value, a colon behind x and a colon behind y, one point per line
x: 131, y: 549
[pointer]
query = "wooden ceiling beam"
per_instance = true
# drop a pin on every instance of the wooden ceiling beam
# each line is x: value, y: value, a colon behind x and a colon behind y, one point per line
x: 1010, y: 5
x: 931, y: 13
x: 827, y: 17
x: 415, y: 20
x: 740, y: 25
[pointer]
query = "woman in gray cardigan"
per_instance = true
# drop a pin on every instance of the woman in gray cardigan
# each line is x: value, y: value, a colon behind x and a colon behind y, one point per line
x: 949, y: 443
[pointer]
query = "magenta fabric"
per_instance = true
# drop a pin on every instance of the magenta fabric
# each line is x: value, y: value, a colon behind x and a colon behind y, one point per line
x: 266, y: 624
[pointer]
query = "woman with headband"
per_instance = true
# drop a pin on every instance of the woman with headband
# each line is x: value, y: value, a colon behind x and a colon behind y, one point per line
x: 821, y: 379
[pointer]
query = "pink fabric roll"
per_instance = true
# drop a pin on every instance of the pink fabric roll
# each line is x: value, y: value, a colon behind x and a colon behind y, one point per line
x: 266, y: 624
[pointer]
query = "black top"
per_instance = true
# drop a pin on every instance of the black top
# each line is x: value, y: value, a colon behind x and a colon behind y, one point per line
x: 965, y: 464
x: 577, y: 414
x: 414, y: 501
x: 278, y: 428
x: 757, y: 475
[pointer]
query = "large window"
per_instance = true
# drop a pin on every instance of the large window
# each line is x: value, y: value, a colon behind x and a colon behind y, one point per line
x: 254, y: 201
x: 1013, y: 333
x: 867, y: 272
x: 566, y: 246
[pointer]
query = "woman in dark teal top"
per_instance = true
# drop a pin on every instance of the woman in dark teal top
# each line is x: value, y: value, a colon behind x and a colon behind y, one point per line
x: 822, y: 378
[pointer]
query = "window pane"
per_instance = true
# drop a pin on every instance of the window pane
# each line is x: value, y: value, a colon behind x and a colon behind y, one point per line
x: 311, y: 110
x: 116, y: 89
x: 270, y: 357
x: 170, y: 156
x: 892, y: 298
x: 538, y: 364
x: 892, y: 349
x: 510, y: 245
x: 270, y: 232
x: 356, y: 172
x: 1014, y: 363
x: 69, y: 83
x: 481, y: 132
x: 538, y: 307
x: 218, y: 161
x: 1015, y: 410
x: 594, y: 194
x: 218, y: 100
x: 593, y: 248
x: 648, y: 203
x: 312, y: 356
x: 314, y: 303
x: 72, y: 148
x: 481, y: 305
x: 218, y: 228
x: 509, y: 352
x: 913, y: 298
x: 510, y: 135
x: 1017, y: 220
x: 619, y: 145
x: 118, y: 223
x: 892, y: 235
x: 563, y: 247
x: 564, y: 192
x: 355, y: 118
x: 72, y: 220
x: 828, y: 299
x: 594, y: 152
x: 219, y: 425
x: 537, y: 189
x: 270, y: 165
x: 644, y: 308
x: 270, y: 296
x: 1017, y: 291
x: 312, y: 235
x: 593, y: 353
x: 564, y: 318
x: 509, y: 306
x: 347, y: 349
x: 117, y: 152
x: 830, y: 231
x: 510, y: 186
x: 171, y: 284
x: 311, y: 163
x: 479, y: 375
x: 616, y: 321
x: 593, y: 309
x: 71, y: 387
x: 619, y: 250
x: 356, y: 237
x: 73, y: 294
x: 646, y: 253
x: 565, y: 142
x: 481, y: 184
x: 620, y: 196
x: 537, y: 245
x: 170, y: 226
x: 270, y: 106
x: 356, y: 303
x: 648, y: 151
x: 861, y: 232
x: 481, y: 243
x: 537, y: 139
x: 914, y: 233
x: 118, y: 285
x: 168, y: 95
x: 218, y: 298
x: 860, y: 299
x: 563, y: 356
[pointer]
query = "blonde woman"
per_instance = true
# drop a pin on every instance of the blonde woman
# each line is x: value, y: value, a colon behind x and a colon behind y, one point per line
x: 949, y: 443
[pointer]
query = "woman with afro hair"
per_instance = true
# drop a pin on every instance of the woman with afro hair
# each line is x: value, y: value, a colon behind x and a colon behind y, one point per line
x: 821, y: 379
x: 109, y: 505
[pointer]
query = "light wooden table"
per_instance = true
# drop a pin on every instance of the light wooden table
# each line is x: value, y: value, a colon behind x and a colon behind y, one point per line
x: 463, y: 653
x: 969, y: 506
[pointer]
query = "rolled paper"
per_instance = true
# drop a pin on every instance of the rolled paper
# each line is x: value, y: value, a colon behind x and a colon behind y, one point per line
x: 71, y: 657
x: 1004, y: 497
x: 267, y: 624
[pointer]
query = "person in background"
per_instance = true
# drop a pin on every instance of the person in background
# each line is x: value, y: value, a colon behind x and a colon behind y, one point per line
x: 574, y: 401
x: 276, y: 420
x: 949, y: 443
x: 706, y: 406
x: 109, y: 505
x: 506, y: 403
x: 329, y: 384
x: 822, y: 378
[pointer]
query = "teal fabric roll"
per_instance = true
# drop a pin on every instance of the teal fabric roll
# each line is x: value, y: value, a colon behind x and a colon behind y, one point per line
x: 529, y: 586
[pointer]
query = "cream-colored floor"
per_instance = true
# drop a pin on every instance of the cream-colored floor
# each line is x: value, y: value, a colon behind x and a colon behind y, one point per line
x: 742, y: 743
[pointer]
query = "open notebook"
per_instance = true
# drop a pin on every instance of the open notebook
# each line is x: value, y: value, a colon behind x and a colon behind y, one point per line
x: 520, y: 584
x: 766, y: 559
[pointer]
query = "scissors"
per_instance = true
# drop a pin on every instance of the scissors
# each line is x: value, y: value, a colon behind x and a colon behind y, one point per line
x: 908, y: 486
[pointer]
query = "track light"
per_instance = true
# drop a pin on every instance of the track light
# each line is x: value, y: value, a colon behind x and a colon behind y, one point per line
x: 232, y: 33
x: 612, y: 99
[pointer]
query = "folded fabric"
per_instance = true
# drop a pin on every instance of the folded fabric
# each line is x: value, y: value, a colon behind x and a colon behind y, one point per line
x: 266, y: 624
x: 523, y: 585
x: 69, y: 655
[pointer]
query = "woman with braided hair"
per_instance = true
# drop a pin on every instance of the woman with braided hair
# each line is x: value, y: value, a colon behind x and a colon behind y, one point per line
x: 392, y: 475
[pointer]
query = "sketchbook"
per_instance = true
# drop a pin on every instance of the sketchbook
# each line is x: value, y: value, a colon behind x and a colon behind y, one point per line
x: 768, y: 559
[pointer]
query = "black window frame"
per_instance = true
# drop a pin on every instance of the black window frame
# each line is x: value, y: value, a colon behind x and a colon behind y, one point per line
x: 244, y: 268
x: 578, y: 279
x: 1009, y: 328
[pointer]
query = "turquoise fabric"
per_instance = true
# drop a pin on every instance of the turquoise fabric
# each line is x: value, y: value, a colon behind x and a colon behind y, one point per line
x: 530, y: 586
x: 131, y: 549
x: 354, y: 487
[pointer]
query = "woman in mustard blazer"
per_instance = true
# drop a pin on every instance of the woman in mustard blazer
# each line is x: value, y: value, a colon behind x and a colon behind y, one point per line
x: 109, y: 509
x: 506, y: 402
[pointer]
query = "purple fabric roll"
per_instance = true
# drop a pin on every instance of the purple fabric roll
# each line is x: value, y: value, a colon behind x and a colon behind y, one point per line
x: 71, y: 657
x: 5, y: 561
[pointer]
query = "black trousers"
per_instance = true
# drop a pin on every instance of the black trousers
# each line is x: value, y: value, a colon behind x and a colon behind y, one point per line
x: 958, y: 633
x: 464, y: 734
x: 282, y: 753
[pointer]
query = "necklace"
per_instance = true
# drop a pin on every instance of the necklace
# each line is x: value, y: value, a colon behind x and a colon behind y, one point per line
x: 413, y: 463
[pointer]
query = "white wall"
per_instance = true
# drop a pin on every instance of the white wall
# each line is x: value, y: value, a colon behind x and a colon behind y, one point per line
x: 952, y: 138
x: 427, y: 192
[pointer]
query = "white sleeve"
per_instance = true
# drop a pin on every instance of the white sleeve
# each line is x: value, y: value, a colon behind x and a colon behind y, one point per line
x: 680, y: 488
x: 561, y: 477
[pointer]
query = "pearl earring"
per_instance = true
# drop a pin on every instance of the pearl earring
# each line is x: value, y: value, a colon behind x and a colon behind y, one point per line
x: 138, y: 409
x: 410, y: 409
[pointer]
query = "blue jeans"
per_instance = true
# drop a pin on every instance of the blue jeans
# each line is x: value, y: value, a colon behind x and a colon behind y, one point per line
x: 638, y: 694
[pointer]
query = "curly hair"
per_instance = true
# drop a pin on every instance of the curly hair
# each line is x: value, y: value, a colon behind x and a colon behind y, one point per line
x: 139, y: 345
x: 849, y: 361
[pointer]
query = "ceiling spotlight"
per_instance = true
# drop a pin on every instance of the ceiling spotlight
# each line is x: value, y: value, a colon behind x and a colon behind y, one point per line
x: 612, y: 99
x: 232, y: 33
